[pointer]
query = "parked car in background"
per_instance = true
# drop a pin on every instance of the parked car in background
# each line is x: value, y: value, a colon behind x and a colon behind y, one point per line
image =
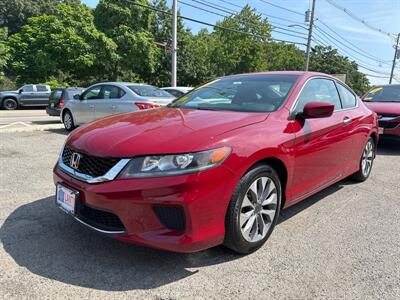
x: 107, y: 98
x: 27, y: 95
x: 385, y: 101
x: 217, y: 165
x: 59, y: 97
x: 177, y: 91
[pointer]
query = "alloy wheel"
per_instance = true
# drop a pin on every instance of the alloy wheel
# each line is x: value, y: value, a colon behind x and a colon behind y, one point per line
x: 68, y: 121
x: 258, y: 209
x: 367, y: 157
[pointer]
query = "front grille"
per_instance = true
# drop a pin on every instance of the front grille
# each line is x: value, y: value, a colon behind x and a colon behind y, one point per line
x: 171, y: 217
x: 90, y: 165
x: 388, y: 125
x: 100, y: 219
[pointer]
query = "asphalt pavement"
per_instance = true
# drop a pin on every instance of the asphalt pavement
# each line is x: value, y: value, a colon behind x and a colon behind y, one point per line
x: 342, y: 243
x: 27, y: 120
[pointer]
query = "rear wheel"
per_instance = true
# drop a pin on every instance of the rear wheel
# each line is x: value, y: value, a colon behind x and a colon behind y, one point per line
x: 10, y: 104
x: 366, y: 162
x: 68, y: 121
x: 253, y: 210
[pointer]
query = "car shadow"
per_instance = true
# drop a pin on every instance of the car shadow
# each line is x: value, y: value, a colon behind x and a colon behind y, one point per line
x: 41, y: 238
x: 61, y: 131
x: 46, y: 122
x: 389, y: 145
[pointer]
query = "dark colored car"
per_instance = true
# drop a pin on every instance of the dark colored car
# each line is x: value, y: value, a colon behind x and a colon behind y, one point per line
x: 27, y: 95
x: 385, y: 101
x: 217, y: 165
x: 59, y: 97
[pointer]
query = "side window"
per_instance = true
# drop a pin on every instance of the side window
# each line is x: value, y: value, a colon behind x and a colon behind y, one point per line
x: 41, y: 88
x: 93, y: 93
x: 27, y: 88
x: 111, y: 92
x: 348, y: 98
x: 318, y: 90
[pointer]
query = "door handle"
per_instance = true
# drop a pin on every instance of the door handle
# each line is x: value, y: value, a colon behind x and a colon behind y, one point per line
x: 113, y: 107
x: 91, y: 106
x: 346, y: 120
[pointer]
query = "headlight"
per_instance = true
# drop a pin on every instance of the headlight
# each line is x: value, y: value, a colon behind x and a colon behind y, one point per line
x: 176, y: 164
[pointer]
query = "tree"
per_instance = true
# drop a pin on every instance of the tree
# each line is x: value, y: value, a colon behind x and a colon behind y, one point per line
x: 328, y: 60
x: 281, y: 56
x: 238, y: 52
x: 65, y: 46
x: 14, y: 13
x: 130, y: 28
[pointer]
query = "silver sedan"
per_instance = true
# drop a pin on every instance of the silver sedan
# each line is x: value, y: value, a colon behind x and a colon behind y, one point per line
x: 107, y: 98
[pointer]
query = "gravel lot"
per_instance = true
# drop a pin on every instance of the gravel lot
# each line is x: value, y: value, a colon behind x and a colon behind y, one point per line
x: 341, y: 243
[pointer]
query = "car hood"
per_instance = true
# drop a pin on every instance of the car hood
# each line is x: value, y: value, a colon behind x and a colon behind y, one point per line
x: 8, y: 92
x: 157, y: 131
x: 390, y: 108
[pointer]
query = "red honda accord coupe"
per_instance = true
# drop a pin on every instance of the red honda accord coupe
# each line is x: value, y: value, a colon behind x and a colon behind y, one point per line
x: 385, y: 101
x: 218, y: 164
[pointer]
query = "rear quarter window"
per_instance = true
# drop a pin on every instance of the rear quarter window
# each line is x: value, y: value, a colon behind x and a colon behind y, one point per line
x: 348, y: 98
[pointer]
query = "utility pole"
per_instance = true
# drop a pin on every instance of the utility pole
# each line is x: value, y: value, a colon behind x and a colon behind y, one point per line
x: 396, y: 53
x: 310, y: 28
x: 174, y: 33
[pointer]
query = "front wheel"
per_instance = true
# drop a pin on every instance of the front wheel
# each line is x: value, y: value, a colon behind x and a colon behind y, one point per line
x: 68, y: 121
x: 253, y: 210
x: 10, y: 104
x: 366, y: 162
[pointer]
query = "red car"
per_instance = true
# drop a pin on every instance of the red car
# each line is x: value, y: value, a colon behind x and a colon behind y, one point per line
x: 218, y: 164
x: 385, y: 101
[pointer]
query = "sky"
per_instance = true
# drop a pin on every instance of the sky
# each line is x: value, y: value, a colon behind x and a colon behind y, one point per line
x: 374, y: 50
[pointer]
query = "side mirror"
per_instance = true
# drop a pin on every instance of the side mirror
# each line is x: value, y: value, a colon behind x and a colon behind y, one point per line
x: 20, y: 91
x: 77, y: 97
x: 313, y: 110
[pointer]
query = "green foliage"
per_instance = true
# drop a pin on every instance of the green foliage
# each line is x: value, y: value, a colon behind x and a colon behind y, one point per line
x: 66, y: 42
x: 4, y: 51
x: 62, y: 42
x: 235, y: 52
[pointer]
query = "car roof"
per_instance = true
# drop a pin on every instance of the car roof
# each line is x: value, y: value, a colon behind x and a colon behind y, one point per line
x: 123, y: 83
x: 178, y: 88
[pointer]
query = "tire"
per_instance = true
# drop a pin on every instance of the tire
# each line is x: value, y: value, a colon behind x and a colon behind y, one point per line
x: 68, y: 121
x: 10, y: 104
x: 249, y: 221
x: 366, y: 162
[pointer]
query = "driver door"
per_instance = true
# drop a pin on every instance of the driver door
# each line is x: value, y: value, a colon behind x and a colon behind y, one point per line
x: 321, y: 145
x: 86, y: 108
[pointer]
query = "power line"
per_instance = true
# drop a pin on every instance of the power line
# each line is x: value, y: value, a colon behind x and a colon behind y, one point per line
x: 353, y: 45
x: 212, y: 25
x: 284, y: 8
x: 346, y: 46
x: 355, y: 17
x: 264, y: 14
x: 234, y: 13
x: 356, y: 60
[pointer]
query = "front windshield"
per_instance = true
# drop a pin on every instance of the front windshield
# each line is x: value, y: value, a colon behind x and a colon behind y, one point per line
x: 149, y: 91
x: 246, y: 93
x: 388, y: 93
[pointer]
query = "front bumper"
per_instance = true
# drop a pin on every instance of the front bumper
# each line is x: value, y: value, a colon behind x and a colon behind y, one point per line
x: 391, y: 126
x: 202, y: 197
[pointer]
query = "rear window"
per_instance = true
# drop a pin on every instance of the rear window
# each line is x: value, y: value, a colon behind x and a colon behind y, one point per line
x: 149, y: 91
x: 56, y: 95
x: 388, y: 93
x: 41, y: 88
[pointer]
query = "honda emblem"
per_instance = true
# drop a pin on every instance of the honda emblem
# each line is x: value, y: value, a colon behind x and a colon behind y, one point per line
x: 75, y: 159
